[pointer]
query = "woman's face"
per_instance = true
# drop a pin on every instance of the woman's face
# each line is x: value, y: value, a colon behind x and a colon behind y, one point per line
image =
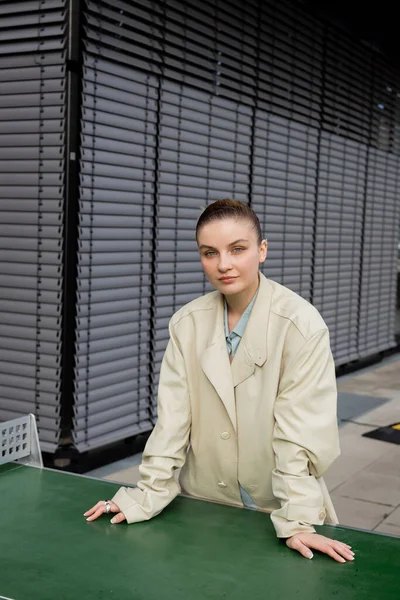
x: 230, y: 254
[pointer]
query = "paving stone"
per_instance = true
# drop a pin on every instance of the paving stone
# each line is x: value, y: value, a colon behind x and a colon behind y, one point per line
x: 344, y: 468
x: 393, y: 518
x: 386, y: 414
x: 373, y: 487
x: 388, y: 464
x: 357, y: 513
x: 130, y: 476
x: 354, y: 445
x: 388, y: 528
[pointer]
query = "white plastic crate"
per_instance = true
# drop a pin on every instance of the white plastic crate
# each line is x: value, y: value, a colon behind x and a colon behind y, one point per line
x: 19, y: 442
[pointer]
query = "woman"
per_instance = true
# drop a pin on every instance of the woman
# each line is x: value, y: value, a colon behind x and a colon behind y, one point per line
x: 246, y: 399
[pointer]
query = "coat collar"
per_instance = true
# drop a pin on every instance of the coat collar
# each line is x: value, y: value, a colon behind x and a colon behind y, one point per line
x: 252, y: 349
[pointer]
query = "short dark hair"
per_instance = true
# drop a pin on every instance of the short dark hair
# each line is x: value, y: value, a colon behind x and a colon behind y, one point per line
x: 229, y: 209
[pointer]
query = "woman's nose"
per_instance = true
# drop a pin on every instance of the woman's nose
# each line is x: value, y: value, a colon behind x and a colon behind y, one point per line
x: 225, y: 263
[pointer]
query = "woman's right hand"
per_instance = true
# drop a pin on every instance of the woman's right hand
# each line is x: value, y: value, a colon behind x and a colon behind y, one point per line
x: 100, y: 509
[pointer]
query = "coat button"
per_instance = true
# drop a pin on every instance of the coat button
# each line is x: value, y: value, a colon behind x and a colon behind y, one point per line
x: 322, y: 515
x: 222, y: 484
x: 225, y: 435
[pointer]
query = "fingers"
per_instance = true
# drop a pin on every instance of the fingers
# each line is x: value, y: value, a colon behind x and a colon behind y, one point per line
x: 304, y: 542
x: 118, y: 518
x: 304, y: 551
x: 113, y: 507
x: 330, y: 551
x: 96, y: 514
x: 92, y: 510
x: 297, y: 544
x: 100, y: 508
x: 343, y: 550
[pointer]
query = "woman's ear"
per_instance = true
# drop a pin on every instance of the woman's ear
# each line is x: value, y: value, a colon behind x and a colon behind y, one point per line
x: 263, y: 250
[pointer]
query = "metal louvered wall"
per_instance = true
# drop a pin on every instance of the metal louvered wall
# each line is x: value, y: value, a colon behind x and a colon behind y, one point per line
x: 32, y: 130
x: 285, y: 177
x: 381, y: 235
x: 181, y: 103
x: 204, y: 153
x: 338, y: 241
x: 115, y: 253
x: 186, y: 103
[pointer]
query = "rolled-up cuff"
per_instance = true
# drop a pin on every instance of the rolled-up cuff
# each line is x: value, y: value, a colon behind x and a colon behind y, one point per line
x: 130, y: 502
x: 295, y: 518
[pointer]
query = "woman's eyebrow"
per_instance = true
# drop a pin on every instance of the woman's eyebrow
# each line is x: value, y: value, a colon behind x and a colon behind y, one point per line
x: 231, y: 244
x: 205, y: 246
x: 238, y: 241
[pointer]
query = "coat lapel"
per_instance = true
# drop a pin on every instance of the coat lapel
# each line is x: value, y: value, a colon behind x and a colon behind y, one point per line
x: 242, y: 365
x: 252, y: 349
x: 215, y: 363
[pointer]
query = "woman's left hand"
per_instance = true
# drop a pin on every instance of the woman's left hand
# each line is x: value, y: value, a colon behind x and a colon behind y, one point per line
x: 303, y: 542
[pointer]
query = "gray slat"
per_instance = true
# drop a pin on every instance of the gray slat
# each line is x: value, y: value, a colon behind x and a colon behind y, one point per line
x: 32, y: 125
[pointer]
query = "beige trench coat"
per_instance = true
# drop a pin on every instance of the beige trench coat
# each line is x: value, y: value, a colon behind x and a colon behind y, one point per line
x: 267, y: 420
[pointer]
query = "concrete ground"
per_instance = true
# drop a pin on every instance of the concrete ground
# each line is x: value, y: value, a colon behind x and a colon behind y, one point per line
x: 365, y: 480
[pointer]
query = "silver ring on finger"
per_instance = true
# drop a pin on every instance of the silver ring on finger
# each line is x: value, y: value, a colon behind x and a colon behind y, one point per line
x: 108, y: 506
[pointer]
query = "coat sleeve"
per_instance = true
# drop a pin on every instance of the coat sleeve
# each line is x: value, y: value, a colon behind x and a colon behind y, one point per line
x: 166, y: 447
x: 305, y: 438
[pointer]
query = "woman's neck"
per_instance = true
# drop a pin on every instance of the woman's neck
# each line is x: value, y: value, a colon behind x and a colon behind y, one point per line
x: 237, y: 303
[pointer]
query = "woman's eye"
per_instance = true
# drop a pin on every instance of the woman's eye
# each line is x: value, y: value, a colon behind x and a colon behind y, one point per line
x: 238, y: 250
x: 210, y: 253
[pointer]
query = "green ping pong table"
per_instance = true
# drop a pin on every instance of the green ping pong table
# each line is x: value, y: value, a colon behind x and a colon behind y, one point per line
x: 193, y: 550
